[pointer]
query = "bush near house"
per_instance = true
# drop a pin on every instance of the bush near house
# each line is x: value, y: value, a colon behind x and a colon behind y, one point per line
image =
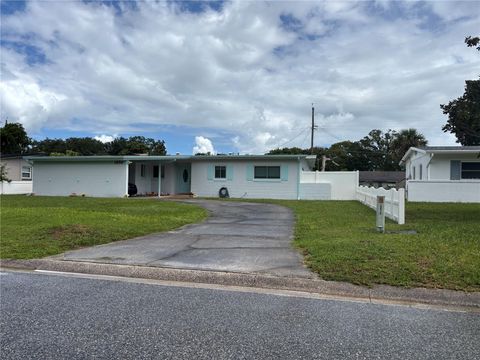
x: 340, y: 243
x: 34, y: 227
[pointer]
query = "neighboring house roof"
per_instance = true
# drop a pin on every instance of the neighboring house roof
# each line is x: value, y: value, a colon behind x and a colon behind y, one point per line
x: 381, y: 176
x: 441, y: 150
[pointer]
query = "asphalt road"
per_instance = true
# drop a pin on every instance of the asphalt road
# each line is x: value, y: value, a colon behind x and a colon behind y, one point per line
x: 60, y: 317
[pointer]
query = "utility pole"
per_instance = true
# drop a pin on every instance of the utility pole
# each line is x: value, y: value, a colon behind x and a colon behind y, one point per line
x: 313, y: 129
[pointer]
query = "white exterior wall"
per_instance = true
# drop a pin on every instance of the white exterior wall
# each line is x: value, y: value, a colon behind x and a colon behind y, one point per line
x: 239, y: 186
x: 440, y: 164
x: 15, y: 187
x: 314, y: 185
x: 444, y: 191
x: 438, y: 168
x: 416, y: 160
x: 100, y: 179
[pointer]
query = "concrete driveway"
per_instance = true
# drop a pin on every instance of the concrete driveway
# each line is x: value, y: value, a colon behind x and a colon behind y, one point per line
x: 237, y: 237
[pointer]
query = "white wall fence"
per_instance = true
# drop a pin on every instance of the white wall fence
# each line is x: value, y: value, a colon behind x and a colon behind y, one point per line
x: 328, y: 185
x: 394, y: 201
x: 463, y: 191
x: 15, y: 187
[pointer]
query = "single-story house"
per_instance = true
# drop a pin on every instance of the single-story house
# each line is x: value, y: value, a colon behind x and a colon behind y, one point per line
x: 244, y: 176
x: 385, y: 179
x: 443, y: 173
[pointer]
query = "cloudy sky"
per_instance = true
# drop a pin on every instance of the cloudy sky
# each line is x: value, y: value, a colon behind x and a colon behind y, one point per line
x: 237, y: 75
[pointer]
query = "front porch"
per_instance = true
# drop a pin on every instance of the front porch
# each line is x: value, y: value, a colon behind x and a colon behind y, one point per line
x: 160, y: 178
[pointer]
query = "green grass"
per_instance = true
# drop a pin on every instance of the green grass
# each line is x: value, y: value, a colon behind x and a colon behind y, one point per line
x: 34, y: 227
x: 340, y: 243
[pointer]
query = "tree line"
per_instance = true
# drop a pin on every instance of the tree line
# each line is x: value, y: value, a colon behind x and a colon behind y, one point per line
x: 15, y: 140
x: 376, y: 151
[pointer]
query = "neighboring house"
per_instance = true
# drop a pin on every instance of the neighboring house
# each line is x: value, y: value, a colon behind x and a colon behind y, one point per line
x: 385, y: 179
x: 443, y: 173
x: 19, y: 171
x: 16, y: 167
x: 245, y: 176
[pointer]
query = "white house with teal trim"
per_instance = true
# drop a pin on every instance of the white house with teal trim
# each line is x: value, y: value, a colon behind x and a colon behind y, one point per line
x: 245, y: 176
x: 443, y: 173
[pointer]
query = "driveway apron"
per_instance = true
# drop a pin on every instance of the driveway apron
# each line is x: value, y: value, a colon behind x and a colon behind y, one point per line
x: 237, y: 237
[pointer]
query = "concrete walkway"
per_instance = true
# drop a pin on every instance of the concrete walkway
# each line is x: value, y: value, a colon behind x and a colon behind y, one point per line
x: 237, y: 237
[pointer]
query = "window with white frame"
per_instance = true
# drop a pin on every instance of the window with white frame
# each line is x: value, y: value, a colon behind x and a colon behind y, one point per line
x: 220, y: 172
x: 471, y: 170
x: 143, y: 169
x: 420, y: 170
x: 26, y: 173
x: 414, y: 175
x: 267, y: 172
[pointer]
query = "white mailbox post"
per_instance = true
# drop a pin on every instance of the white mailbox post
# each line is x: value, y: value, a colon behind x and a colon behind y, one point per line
x: 381, y: 214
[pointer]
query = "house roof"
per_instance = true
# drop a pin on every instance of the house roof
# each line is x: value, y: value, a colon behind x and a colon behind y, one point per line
x: 168, y: 158
x: 441, y: 150
x: 381, y: 176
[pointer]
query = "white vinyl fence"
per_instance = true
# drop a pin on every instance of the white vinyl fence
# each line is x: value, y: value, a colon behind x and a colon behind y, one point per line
x: 328, y: 185
x: 15, y: 187
x: 394, y: 201
x: 463, y: 191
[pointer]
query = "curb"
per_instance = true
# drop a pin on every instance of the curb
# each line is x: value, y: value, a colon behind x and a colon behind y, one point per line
x: 378, y: 293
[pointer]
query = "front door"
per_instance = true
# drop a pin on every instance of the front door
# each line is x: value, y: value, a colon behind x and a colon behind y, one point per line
x: 183, y: 178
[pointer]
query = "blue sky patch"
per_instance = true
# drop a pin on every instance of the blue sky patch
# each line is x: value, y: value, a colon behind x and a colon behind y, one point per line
x: 11, y: 7
x: 33, y: 55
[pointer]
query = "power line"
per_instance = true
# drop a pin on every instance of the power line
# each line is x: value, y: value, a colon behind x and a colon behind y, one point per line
x: 292, y: 139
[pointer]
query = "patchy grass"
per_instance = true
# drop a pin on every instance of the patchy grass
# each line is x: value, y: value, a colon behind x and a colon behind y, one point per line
x: 33, y: 227
x: 340, y: 243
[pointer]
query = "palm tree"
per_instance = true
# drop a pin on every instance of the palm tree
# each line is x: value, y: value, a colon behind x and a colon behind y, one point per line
x: 404, y: 140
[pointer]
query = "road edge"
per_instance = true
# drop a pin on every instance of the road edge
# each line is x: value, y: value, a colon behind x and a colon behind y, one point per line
x: 377, y: 293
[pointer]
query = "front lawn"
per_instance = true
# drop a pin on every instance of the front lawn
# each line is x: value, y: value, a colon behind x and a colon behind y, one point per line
x: 340, y: 243
x: 34, y: 226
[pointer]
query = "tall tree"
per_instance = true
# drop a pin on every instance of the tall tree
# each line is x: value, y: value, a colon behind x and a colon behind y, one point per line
x: 14, y: 139
x: 464, y: 115
x: 464, y: 112
x: 404, y: 140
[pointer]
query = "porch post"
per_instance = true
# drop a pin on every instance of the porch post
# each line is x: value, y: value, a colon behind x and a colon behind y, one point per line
x: 159, y: 179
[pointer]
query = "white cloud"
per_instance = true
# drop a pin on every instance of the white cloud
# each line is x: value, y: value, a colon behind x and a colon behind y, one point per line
x: 203, y: 145
x: 105, y: 138
x: 240, y: 71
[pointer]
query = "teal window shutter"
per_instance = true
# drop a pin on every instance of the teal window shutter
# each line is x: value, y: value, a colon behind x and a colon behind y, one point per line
x: 249, y: 172
x: 230, y: 172
x: 284, y: 172
x: 455, y: 169
x: 210, y: 170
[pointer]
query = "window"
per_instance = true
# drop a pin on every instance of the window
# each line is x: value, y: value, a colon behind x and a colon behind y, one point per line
x: 26, y: 173
x: 143, y: 169
x: 155, y: 171
x: 420, y: 175
x: 471, y: 170
x: 267, y: 172
x: 414, y: 175
x: 162, y: 174
x: 220, y: 172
